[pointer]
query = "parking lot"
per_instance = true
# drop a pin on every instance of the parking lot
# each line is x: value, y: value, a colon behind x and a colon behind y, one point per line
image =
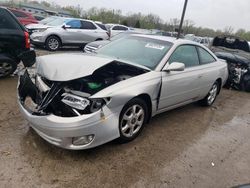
x: 192, y: 146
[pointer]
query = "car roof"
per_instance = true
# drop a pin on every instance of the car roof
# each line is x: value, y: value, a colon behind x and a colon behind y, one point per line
x: 79, y: 19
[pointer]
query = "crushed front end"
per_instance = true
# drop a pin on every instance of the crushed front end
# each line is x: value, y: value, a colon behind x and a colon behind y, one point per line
x: 65, y: 113
x: 63, y: 116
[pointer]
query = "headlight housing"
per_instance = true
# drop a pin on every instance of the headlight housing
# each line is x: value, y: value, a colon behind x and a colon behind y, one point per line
x: 83, y: 103
x: 39, y: 30
x: 74, y: 101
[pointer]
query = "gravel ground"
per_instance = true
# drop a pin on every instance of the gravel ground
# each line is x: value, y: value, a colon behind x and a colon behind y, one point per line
x: 191, y: 146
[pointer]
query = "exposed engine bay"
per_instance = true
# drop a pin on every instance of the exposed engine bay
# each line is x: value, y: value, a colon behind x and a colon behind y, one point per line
x: 239, y: 76
x: 71, y: 98
x: 236, y: 53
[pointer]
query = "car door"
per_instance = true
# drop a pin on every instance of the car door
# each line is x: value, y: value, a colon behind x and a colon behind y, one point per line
x: 180, y: 87
x: 72, y: 32
x: 208, y: 67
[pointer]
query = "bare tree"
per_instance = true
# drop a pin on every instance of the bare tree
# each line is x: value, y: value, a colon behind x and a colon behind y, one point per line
x: 228, y: 30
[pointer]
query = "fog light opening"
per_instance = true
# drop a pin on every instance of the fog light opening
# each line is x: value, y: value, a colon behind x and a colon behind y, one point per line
x: 83, y: 140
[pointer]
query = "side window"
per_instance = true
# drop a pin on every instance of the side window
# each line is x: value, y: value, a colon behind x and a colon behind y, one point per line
x: 74, y: 24
x: 7, y: 21
x: 186, y: 54
x: 123, y: 28
x: 116, y: 28
x: 205, y: 57
x: 88, y: 25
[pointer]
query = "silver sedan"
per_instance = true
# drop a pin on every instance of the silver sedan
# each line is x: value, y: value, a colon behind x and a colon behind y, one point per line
x: 80, y: 101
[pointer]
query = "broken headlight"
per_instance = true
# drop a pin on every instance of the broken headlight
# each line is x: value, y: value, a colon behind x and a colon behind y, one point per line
x: 81, y: 103
x: 97, y: 104
x: 74, y: 101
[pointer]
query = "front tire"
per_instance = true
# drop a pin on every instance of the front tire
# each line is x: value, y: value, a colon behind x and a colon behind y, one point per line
x: 211, y: 96
x: 7, y: 67
x: 132, y: 119
x: 53, y: 43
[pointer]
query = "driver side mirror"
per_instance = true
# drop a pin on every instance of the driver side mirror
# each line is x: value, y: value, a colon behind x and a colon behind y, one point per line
x: 66, y: 26
x: 175, y: 66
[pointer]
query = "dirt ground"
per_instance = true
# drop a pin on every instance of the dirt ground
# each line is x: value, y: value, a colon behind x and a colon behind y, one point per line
x: 191, y: 146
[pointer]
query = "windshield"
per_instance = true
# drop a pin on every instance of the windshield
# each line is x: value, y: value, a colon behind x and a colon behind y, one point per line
x: 56, y: 22
x: 139, y: 50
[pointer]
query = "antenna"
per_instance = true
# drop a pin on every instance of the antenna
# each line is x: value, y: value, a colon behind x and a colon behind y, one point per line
x: 182, y: 18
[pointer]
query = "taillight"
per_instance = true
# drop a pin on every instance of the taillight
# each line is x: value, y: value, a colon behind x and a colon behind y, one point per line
x: 27, y: 39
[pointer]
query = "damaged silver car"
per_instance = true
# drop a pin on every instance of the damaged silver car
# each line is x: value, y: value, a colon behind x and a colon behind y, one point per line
x: 80, y: 101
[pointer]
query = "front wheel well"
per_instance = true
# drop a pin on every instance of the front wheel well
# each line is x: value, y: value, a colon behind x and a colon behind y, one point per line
x: 148, y: 101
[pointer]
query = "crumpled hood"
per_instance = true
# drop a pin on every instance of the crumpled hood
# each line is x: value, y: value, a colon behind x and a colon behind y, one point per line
x: 65, y: 67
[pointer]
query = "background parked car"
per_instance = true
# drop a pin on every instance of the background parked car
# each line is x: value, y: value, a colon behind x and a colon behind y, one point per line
x: 236, y: 52
x: 72, y: 32
x: 38, y: 17
x: 93, y: 46
x: 52, y: 21
x: 14, y: 43
x: 115, y: 29
x: 24, y: 17
x: 202, y: 40
x: 101, y: 25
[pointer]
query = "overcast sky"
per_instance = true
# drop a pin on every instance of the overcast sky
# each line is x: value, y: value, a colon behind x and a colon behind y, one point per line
x: 216, y: 14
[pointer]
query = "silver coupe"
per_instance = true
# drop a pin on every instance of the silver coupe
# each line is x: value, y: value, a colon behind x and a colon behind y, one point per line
x: 80, y: 101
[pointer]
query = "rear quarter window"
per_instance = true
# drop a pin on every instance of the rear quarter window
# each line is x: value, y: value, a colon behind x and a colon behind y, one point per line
x: 88, y: 25
x: 205, y: 56
x: 7, y: 21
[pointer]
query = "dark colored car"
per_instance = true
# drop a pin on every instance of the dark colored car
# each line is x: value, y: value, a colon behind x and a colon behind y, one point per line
x: 14, y: 44
x: 24, y: 17
x: 236, y: 53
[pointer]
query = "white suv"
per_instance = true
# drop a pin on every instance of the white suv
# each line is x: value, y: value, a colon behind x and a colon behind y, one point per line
x: 69, y: 32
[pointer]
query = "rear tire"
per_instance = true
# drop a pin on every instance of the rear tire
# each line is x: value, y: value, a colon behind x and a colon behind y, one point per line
x: 211, y: 96
x: 7, y: 67
x: 132, y: 119
x: 53, y: 43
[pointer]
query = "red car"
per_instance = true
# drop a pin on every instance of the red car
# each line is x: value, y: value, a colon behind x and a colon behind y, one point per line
x: 24, y: 17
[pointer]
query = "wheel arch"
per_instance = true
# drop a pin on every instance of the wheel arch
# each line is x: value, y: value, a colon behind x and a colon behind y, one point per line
x: 55, y: 35
x: 147, y: 99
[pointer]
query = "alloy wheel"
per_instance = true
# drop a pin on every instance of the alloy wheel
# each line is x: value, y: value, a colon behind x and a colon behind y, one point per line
x: 212, y: 94
x: 132, y: 120
x: 53, y: 44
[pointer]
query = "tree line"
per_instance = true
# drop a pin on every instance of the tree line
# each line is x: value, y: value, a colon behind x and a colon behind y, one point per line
x: 145, y: 21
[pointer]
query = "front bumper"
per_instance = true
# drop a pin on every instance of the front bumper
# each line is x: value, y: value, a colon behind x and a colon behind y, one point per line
x: 38, y: 37
x: 60, y: 131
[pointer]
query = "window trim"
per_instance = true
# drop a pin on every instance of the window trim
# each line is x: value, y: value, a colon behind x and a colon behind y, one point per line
x: 72, y: 27
x: 195, y: 46
x: 197, y: 49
